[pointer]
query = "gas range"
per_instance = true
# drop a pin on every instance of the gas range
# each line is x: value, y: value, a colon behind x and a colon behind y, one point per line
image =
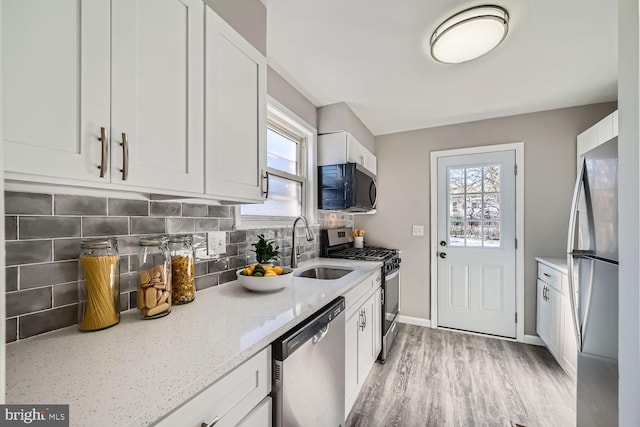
x: 338, y: 243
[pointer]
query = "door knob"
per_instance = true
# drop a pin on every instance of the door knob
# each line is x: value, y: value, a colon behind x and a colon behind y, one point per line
x: 443, y: 255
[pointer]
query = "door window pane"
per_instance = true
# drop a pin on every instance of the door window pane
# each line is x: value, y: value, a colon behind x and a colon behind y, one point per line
x: 474, y: 206
x: 456, y: 181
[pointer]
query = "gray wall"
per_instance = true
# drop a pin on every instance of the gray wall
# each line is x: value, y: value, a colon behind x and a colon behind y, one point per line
x: 289, y: 96
x: 403, y: 179
x: 629, y: 318
x: 338, y: 117
x: 248, y: 17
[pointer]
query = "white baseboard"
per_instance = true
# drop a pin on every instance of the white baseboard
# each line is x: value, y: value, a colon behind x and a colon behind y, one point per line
x: 418, y: 321
x: 534, y: 340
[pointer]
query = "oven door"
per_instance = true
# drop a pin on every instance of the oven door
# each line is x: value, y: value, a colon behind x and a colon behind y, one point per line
x: 391, y: 299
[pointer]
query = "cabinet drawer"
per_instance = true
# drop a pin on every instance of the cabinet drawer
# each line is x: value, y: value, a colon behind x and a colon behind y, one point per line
x: 550, y: 276
x: 229, y: 399
x: 363, y: 289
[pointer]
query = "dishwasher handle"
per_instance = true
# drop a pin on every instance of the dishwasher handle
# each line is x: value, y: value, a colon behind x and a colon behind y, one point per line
x: 323, y: 332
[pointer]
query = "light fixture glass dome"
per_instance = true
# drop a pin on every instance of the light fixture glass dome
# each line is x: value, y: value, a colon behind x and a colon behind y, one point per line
x: 469, y: 34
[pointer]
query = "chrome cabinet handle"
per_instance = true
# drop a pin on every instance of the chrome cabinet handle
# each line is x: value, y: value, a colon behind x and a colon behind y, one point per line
x: 361, y: 315
x: 125, y: 156
x: 265, y: 177
x: 105, y: 153
x: 212, y: 423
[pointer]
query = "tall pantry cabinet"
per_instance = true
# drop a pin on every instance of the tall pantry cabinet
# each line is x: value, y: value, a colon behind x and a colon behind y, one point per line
x: 105, y: 92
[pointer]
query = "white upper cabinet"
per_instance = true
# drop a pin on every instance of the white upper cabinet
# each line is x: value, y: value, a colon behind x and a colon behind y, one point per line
x: 235, y: 114
x: 111, y: 88
x: 56, y: 60
x: 597, y: 134
x: 342, y: 147
x: 157, y: 92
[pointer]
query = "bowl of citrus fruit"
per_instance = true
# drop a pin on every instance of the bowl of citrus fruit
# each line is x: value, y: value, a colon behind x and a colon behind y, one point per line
x: 264, y: 278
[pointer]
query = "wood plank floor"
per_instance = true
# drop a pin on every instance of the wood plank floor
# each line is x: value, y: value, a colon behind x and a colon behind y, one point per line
x: 436, y: 377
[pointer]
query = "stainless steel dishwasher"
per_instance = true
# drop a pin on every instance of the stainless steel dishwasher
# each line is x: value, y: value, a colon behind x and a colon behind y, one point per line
x: 308, y: 371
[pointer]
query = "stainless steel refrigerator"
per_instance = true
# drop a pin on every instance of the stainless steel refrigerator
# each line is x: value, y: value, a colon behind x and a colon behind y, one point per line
x: 592, y: 255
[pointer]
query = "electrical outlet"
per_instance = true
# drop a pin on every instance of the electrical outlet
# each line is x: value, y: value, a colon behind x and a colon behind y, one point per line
x: 216, y: 242
x: 418, y: 230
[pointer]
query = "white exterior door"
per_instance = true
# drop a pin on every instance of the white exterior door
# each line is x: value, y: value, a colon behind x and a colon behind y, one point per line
x: 476, y: 243
x: 55, y: 81
x: 157, y: 93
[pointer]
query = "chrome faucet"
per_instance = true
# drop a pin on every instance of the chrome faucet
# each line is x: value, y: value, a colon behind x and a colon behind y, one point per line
x: 309, y: 236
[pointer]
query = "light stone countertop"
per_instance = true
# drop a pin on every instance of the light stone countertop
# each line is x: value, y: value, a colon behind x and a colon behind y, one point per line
x: 138, y: 371
x: 553, y: 262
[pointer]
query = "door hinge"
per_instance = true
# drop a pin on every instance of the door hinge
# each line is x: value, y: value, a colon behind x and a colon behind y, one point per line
x: 516, y: 317
x: 515, y: 169
x: 516, y: 243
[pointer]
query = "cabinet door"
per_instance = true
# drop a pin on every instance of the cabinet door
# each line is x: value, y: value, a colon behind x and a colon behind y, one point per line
x: 351, y: 361
x: 569, y: 345
x: 260, y: 416
x: 366, y: 340
x: 543, y: 314
x: 353, y: 150
x: 157, y: 93
x: 55, y: 81
x: 235, y: 105
x: 555, y: 320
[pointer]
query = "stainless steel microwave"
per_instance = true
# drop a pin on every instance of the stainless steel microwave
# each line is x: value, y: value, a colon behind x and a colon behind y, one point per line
x: 346, y: 187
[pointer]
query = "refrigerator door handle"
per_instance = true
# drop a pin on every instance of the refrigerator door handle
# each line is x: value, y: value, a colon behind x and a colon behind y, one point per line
x: 585, y: 320
x: 571, y: 251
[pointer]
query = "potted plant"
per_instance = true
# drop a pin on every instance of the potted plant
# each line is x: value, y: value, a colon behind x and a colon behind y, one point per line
x: 264, y: 250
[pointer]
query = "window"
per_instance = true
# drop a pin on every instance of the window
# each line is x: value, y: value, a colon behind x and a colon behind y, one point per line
x: 289, y: 160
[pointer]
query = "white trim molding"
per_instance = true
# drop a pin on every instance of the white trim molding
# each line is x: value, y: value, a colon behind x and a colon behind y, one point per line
x: 417, y: 321
x: 518, y: 147
x: 534, y: 340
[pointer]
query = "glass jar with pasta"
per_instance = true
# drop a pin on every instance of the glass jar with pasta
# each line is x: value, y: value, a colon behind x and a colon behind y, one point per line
x: 183, y: 269
x: 154, y: 289
x: 98, y: 285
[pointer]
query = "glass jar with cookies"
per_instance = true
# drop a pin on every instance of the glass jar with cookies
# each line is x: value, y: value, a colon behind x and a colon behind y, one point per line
x: 154, y: 266
x: 183, y: 268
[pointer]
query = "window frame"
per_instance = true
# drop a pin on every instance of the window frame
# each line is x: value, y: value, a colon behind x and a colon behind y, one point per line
x: 290, y: 125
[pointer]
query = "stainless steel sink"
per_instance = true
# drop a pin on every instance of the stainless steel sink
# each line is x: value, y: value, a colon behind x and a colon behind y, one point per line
x: 324, y: 273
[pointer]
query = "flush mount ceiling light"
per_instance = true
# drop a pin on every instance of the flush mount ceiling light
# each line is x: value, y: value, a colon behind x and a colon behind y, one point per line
x: 469, y: 34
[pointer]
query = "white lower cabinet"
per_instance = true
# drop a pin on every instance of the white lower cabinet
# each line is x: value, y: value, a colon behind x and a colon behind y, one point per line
x: 554, y: 319
x: 362, y: 335
x: 239, y: 398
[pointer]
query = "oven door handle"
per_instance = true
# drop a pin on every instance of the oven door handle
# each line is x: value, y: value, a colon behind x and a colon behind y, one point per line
x: 392, y: 275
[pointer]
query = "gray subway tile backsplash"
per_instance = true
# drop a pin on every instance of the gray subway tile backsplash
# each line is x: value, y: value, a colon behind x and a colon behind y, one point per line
x: 27, y: 203
x: 11, y: 330
x: 10, y: 227
x: 104, y: 226
x: 79, y: 205
x: 42, y: 227
x: 142, y: 225
x: 23, y: 302
x: 65, y: 294
x: 11, y: 279
x: 126, y: 207
x: 194, y: 210
x: 28, y: 252
x: 42, y: 272
x: 166, y: 209
x: 36, y: 275
x: 219, y: 211
x: 50, y: 320
x: 65, y: 249
x: 181, y: 225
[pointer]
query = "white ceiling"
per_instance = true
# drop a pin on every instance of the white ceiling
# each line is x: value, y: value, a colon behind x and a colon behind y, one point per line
x: 373, y: 55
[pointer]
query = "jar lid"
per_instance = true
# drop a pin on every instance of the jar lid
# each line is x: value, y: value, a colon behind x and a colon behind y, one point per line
x: 180, y: 238
x: 152, y: 241
x: 108, y: 243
